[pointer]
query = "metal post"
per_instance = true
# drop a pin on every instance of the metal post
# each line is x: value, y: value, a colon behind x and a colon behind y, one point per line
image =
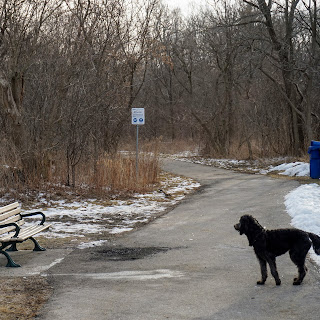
x: 137, y: 153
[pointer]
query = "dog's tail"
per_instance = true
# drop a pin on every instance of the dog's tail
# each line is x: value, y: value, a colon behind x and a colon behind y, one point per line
x: 315, y: 242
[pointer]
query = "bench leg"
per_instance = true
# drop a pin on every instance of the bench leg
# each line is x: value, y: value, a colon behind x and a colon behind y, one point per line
x: 12, y: 248
x: 10, y: 262
x: 37, y: 246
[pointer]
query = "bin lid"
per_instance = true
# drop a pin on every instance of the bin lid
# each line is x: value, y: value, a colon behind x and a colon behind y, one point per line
x: 315, y: 143
x: 313, y: 148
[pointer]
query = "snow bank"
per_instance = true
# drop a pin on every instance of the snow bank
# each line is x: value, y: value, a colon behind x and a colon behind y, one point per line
x: 303, y: 206
x: 298, y: 169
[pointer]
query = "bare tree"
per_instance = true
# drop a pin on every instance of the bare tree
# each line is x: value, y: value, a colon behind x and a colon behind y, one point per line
x: 283, y: 56
x: 22, y: 25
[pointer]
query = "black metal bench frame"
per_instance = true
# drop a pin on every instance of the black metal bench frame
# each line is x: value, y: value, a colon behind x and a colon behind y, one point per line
x: 11, y: 232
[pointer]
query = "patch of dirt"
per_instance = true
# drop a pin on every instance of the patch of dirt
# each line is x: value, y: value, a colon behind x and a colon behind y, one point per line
x: 22, y: 297
x: 124, y: 254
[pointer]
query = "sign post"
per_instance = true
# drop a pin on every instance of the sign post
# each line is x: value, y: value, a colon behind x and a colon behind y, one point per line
x: 137, y: 119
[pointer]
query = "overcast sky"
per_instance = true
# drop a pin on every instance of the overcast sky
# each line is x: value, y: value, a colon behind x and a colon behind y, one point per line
x: 186, y: 6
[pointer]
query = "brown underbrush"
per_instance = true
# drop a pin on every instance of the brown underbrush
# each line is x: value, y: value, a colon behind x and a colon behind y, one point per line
x: 108, y: 176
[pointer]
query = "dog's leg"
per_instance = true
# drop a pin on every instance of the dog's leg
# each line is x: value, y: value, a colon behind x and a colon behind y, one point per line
x: 273, y: 269
x: 264, y: 273
x: 298, y: 258
x: 302, y: 271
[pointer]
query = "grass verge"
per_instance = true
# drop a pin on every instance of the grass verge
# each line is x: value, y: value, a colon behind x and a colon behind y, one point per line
x: 22, y: 297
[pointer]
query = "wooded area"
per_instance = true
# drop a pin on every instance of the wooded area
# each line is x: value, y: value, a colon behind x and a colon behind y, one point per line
x: 239, y: 78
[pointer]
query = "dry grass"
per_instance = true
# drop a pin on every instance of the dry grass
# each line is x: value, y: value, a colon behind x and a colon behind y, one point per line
x: 119, y: 173
x: 109, y: 176
x: 22, y: 297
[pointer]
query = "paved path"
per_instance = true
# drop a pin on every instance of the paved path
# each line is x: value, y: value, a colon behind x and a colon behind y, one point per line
x: 190, y: 263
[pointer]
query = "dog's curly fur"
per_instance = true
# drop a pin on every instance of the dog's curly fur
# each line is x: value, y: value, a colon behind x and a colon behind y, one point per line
x: 268, y: 244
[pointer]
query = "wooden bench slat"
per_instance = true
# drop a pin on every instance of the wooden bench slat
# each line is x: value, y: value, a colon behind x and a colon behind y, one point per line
x: 10, y: 219
x: 9, y: 229
x: 14, y: 219
x: 10, y: 213
x: 9, y: 207
x: 30, y: 231
x: 25, y: 233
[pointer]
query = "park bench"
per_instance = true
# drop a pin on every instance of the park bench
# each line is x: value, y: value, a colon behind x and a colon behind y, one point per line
x: 12, y: 232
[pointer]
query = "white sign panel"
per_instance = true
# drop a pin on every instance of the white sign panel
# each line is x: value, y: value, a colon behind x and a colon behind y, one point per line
x: 137, y: 116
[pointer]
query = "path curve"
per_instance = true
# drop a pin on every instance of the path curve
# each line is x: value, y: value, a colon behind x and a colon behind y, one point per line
x: 190, y: 263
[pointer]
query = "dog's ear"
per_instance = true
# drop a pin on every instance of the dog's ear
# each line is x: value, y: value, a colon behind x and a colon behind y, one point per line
x: 244, y: 221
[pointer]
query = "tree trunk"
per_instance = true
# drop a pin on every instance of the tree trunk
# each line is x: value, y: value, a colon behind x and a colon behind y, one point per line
x: 11, y: 104
x: 285, y: 53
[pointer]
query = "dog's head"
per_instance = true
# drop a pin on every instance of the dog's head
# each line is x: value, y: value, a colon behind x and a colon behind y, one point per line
x: 243, y: 224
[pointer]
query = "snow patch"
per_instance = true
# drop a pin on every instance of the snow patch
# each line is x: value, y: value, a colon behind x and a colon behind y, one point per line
x: 130, y: 275
x: 303, y: 206
x: 298, y: 169
x: 91, y: 216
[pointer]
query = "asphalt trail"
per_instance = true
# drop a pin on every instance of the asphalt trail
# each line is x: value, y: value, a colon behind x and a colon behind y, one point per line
x: 190, y: 263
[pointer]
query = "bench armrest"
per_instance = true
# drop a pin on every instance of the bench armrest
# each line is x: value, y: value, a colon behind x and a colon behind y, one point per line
x: 12, y: 224
x: 23, y: 215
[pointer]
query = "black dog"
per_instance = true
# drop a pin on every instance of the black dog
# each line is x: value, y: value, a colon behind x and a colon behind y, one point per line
x: 268, y: 244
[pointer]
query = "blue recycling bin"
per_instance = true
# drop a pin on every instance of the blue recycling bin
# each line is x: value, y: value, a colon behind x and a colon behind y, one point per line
x: 314, y: 151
